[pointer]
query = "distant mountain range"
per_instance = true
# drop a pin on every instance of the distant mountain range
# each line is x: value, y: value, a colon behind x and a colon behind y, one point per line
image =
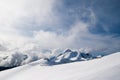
x: 15, y: 59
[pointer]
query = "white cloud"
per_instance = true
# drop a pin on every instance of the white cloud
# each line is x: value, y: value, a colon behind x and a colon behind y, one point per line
x: 19, y: 16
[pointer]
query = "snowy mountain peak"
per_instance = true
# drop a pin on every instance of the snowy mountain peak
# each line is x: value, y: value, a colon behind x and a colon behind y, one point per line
x: 67, y: 50
x: 17, y: 58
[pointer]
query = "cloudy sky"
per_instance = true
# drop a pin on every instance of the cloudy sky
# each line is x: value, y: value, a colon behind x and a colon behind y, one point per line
x: 60, y: 23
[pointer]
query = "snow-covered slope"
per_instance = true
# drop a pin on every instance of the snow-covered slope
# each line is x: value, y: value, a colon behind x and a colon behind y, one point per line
x: 105, y: 68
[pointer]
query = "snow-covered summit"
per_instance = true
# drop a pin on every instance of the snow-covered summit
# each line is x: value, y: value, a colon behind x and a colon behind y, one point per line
x: 71, y: 56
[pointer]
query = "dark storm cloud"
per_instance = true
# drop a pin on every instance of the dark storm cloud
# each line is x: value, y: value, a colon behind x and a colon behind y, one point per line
x: 106, y: 13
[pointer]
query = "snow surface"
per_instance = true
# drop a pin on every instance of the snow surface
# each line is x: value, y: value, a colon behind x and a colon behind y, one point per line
x: 105, y: 68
